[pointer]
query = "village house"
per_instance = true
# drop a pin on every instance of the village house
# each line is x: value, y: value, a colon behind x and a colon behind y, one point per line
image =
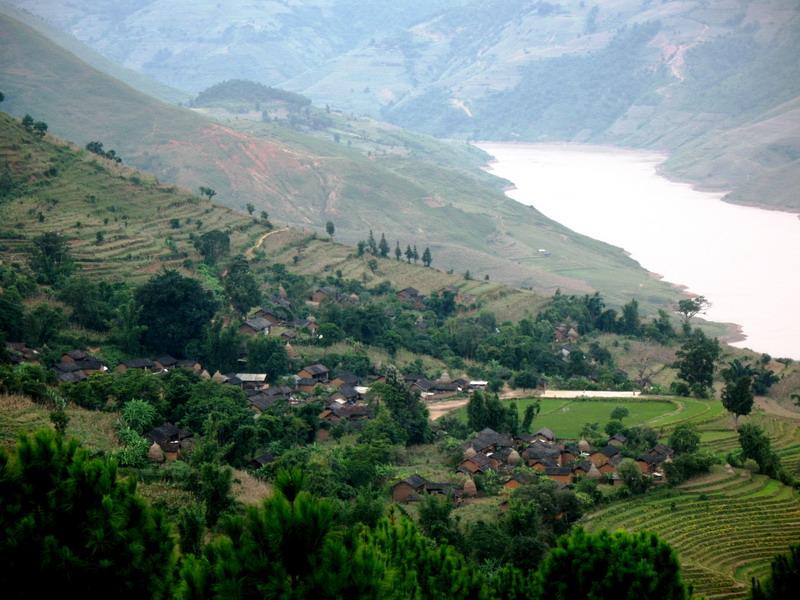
x: 410, y: 294
x: 19, y: 352
x: 141, y: 364
x: 262, y: 460
x: 408, y: 489
x: 517, y: 480
x: 336, y: 413
x: 255, y: 326
x: 561, y: 475
x: 252, y: 381
x: 324, y: 293
x: 170, y: 440
x: 77, y: 365
x: 488, y: 440
x: 316, y: 372
x: 164, y: 363
x: 477, y: 463
x: 269, y: 316
x: 618, y: 440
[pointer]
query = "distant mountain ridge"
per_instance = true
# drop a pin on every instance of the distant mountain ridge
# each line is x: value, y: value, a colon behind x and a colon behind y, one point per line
x: 415, y: 189
x: 713, y: 82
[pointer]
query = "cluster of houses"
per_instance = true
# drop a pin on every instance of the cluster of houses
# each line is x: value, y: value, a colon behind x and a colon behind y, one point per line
x: 563, y: 462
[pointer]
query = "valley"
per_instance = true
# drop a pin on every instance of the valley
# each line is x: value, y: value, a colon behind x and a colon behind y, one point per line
x: 277, y: 320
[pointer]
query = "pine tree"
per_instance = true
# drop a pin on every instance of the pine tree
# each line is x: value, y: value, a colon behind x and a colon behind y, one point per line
x: 373, y: 247
x: 427, y: 259
x: 409, y: 254
x: 416, y: 254
x: 69, y: 524
x: 383, y: 247
x: 397, y: 252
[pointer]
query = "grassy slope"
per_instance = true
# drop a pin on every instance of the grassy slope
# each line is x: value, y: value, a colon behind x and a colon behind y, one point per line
x: 95, y: 59
x: 303, y: 180
x: 133, y: 211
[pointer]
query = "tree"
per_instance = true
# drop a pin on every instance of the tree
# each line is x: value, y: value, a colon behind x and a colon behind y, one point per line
x: 250, y: 208
x: 58, y: 413
x: 530, y: 414
x: 426, y: 257
x: 409, y: 254
x: 267, y: 355
x: 737, y: 395
x: 50, y: 258
x: 630, y: 324
x: 684, y: 439
x: 330, y: 228
x: 139, y: 415
x: 215, y: 490
x: 398, y: 254
x: 27, y: 123
x: 620, y: 565
x: 406, y: 408
x: 175, y: 309
x: 126, y: 328
x: 288, y: 547
x: 696, y: 362
x: 207, y: 192
x: 690, y: 308
x: 784, y: 578
x: 415, y: 254
x: 220, y: 346
x: 436, y: 521
x: 383, y: 247
x: 755, y: 445
x: 630, y: 473
x: 371, y: 245
x: 40, y: 129
x: 192, y: 528
x: 240, y: 285
x: 69, y: 525
x: 213, y: 245
x: 620, y: 412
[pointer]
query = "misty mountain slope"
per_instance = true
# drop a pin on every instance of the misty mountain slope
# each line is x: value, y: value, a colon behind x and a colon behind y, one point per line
x: 268, y: 41
x: 416, y: 194
x: 679, y: 75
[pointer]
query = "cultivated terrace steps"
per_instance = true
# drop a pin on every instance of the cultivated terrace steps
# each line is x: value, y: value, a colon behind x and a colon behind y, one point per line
x: 726, y: 527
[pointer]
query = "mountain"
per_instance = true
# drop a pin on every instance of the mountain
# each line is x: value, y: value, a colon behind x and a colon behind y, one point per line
x: 268, y: 41
x: 415, y: 189
x: 712, y: 82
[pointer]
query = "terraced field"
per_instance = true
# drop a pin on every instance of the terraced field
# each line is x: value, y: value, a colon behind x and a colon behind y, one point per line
x: 719, y: 436
x: 726, y: 527
x: 121, y: 223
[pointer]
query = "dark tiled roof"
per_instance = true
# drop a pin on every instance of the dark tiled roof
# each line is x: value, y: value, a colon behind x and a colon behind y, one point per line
x: 167, y: 361
x: 138, y: 363
x: 415, y: 481
x: 316, y: 369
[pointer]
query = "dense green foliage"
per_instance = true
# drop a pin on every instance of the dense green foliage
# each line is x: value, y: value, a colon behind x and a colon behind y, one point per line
x: 784, y: 578
x: 68, y: 526
x: 611, y: 565
x: 174, y: 309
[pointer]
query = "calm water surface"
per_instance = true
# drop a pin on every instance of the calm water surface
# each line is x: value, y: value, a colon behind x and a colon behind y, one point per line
x: 745, y: 260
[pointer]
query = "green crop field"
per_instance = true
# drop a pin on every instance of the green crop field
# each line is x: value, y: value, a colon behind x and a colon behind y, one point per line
x: 567, y: 417
x: 726, y: 527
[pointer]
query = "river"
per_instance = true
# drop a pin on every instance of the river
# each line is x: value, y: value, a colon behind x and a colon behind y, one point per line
x: 744, y: 260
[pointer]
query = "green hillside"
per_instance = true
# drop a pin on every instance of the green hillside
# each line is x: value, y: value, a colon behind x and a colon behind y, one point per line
x: 419, y: 194
x: 122, y: 225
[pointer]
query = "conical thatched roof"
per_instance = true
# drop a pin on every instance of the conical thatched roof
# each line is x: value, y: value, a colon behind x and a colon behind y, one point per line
x: 218, y: 377
x: 594, y: 473
x: 155, y: 453
x: 513, y: 457
x: 469, y: 452
x: 584, y: 446
x: 470, y: 489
